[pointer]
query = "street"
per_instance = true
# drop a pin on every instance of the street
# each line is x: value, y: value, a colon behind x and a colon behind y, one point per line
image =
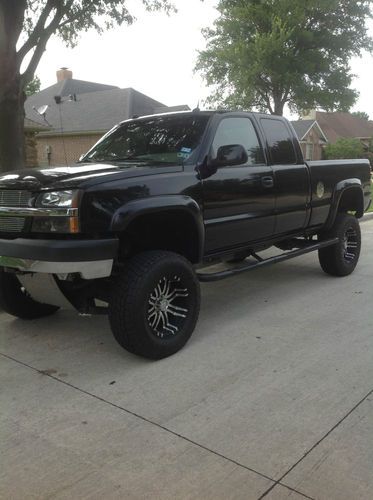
x: 271, y: 398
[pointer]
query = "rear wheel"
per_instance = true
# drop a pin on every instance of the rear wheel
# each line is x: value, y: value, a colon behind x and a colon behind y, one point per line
x: 15, y: 300
x: 342, y: 258
x: 155, y: 304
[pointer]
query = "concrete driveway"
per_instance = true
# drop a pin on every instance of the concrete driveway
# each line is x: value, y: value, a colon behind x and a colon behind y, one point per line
x: 272, y: 397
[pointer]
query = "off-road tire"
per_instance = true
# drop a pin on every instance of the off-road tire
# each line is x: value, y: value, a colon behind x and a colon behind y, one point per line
x: 132, y: 314
x: 15, y: 300
x: 341, y: 259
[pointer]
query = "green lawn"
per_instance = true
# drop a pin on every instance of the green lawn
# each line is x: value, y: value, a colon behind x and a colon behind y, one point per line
x: 371, y: 206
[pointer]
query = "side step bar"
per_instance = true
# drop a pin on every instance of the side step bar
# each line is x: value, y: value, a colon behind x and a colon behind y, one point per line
x: 311, y: 247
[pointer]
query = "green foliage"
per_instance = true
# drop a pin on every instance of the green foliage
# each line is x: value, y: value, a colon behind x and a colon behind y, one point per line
x: 68, y: 19
x: 76, y: 16
x: 25, y: 28
x: 361, y: 114
x: 33, y: 87
x: 265, y: 53
x: 344, y: 149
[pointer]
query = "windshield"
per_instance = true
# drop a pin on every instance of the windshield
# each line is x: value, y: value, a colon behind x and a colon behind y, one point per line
x: 162, y: 139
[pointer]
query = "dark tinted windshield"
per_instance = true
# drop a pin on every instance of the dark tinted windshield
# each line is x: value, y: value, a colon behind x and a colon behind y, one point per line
x: 162, y: 139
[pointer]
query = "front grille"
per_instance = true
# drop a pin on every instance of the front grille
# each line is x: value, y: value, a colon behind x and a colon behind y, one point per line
x: 12, y: 224
x: 14, y: 198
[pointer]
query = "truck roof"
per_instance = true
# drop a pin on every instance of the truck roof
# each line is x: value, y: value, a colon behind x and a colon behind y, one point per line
x: 198, y: 112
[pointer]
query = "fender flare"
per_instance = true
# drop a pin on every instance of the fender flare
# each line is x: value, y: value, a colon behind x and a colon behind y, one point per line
x: 126, y: 214
x: 340, y: 189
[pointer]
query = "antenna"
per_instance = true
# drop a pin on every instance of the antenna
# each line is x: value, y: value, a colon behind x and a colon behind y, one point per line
x: 58, y: 100
x: 195, y: 110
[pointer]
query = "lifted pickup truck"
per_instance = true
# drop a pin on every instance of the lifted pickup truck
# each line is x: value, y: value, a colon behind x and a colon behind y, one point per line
x: 130, y: 229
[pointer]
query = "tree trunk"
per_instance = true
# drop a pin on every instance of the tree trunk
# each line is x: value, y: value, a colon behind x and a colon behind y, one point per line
x: 11, y: 87
x: 278, y: 107
x: 12, y: 116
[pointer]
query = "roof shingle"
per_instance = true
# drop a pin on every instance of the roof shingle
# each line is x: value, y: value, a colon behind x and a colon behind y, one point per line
x: 346, y: 125
x: 97, y: 108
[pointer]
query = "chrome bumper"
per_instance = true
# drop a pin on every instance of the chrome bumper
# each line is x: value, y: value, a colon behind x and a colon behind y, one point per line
x: 88, y: 270
x: 90, y: 258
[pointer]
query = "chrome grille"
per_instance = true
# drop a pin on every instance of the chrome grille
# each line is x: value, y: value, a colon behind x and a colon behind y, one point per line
x: 12, y: 224
x: 11, y: 198
x: 14, y: 198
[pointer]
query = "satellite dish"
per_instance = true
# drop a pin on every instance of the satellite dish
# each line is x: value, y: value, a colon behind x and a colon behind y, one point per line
x: 42, y: 110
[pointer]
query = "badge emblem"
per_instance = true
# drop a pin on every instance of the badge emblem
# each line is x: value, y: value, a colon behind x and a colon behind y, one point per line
x: 320, y: 190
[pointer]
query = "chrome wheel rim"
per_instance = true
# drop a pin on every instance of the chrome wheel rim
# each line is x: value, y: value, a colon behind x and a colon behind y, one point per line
x: 350, y: 245
x: 168, y: 307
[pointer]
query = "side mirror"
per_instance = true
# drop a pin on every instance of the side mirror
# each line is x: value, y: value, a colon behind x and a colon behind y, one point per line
x: 233, y: 154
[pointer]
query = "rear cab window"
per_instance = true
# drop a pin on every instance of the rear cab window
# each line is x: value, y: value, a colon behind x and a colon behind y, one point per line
x: 280, y: 141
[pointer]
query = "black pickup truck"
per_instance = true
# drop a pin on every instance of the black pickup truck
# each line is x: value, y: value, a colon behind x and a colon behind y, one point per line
x: 131, y: 229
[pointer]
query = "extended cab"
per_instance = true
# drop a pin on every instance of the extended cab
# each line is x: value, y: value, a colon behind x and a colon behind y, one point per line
x: 130, y: 230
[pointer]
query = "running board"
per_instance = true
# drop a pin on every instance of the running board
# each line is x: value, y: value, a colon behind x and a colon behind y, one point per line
x: 311, y: 247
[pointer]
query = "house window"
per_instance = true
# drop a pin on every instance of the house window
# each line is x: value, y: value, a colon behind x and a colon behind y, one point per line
x: 309, y: 151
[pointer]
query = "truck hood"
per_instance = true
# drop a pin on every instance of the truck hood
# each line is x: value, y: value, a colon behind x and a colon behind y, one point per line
x: 80, y: 175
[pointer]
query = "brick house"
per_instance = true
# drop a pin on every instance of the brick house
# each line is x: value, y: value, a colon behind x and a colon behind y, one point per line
x: 318, y: 128
x: 32, y: 128
x: 81, y: 114
x: 311, y: 138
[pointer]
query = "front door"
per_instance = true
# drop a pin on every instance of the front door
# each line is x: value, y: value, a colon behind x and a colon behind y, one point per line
x: 239, y: 201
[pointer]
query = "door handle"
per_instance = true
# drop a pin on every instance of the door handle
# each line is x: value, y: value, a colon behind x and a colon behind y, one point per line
x: 268, y: 182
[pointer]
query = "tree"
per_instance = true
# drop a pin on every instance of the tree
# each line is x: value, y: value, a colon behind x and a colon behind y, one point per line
x: 361, y: 114
x: 266, y: 53
x: 25, y: 28
x: 345, y: 149
x: 33, y: 87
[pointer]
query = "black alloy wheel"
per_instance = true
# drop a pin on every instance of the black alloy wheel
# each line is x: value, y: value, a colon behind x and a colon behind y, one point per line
x: 342, y: 258
x: 155, y: 304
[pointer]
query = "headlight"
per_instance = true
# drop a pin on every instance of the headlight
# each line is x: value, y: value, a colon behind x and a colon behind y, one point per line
x: 61, y: 199
x: 61, y: 212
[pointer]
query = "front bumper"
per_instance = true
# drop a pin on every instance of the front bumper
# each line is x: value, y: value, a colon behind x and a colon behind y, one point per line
x: 90, y: 258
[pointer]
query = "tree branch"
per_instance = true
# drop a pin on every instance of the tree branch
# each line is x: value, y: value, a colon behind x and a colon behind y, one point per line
x: 28, y: 74
x: 267, y: 100
x: 37, y: 31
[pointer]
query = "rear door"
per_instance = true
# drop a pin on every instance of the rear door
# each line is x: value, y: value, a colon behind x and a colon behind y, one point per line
x: 291, y: 175
x: 239, y: 200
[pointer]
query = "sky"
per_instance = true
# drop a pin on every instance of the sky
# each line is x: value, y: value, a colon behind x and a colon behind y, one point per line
x: 157, y: 54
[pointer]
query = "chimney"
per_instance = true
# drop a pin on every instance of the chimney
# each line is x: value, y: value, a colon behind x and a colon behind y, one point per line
x: 64, y: 74
x: 309, y: 114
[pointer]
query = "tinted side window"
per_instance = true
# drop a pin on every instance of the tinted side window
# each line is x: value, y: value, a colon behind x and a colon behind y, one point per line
x: 280, y: 142
x: 238, y: 131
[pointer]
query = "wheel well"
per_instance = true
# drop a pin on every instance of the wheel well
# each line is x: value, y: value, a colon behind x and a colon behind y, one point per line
x: 173, y: 230
x: 352, y: 200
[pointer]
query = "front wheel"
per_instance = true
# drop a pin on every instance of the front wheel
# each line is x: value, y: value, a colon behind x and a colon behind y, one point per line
x: 155, y: 304
x: 342, y: 258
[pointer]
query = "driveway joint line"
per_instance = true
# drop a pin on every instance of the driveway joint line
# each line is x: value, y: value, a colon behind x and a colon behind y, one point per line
x: 159, y: 426
x: 325, y: 436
